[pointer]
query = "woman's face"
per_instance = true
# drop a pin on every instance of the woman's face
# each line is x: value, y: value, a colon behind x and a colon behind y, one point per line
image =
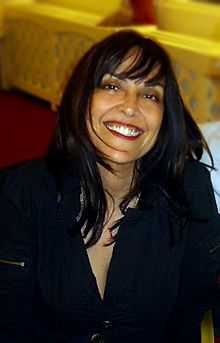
x: 125, y: 116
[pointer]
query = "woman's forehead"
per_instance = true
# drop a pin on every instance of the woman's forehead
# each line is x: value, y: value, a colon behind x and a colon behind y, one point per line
x: 148, y: 79
x: 129, y: 61
x: 137, y: 65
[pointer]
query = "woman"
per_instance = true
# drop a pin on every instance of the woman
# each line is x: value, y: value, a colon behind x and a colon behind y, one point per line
x: 115, y: 236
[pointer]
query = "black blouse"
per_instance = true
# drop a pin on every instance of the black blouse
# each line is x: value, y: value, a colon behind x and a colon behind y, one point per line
x: 150, y: 285
x: 155, y: 291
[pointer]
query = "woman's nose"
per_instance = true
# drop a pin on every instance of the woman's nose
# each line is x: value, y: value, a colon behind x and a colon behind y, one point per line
x: 130, y: 105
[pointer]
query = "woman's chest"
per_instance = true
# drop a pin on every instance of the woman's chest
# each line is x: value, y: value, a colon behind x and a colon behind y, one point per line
x: 140, y: 275
x: 99, y: 258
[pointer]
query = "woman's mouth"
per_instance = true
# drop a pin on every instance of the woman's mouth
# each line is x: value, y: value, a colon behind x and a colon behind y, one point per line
x: 130, y: 132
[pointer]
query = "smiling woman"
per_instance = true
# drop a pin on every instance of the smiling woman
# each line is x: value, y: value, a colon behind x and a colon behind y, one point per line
x: 122, y: 108
x: 117, y: 227
x: 125, y: 114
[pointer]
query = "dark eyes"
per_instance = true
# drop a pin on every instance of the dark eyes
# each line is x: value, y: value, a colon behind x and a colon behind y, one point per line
x: 145, y: 94
x: 152, y: 97
x: 110, y: 86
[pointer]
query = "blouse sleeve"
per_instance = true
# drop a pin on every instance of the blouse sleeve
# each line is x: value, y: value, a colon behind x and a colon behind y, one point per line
x: 16, y: 262
x: 199, y: 191
x: 203, y: 260
x: 214, y: 251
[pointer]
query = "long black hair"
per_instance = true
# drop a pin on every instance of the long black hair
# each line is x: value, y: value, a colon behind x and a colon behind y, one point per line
x: 162, y: 167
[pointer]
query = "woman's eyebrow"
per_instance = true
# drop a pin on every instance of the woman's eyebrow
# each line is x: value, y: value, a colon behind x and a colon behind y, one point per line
x: 111, y: 77
x: 154, y: 83
x: 148, y: 83
x: 116, y: 77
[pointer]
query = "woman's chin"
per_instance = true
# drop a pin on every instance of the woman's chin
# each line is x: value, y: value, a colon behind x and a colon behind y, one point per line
x: 121, y: 159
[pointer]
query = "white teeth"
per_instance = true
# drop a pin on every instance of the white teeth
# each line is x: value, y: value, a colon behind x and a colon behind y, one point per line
x: 123, y: 130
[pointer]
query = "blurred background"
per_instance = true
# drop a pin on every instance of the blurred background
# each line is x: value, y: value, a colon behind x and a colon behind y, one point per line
x: 42, y: 40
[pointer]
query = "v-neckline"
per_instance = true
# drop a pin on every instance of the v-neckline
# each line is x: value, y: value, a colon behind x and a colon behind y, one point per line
x: 109, y: 276
x: 117, y: 255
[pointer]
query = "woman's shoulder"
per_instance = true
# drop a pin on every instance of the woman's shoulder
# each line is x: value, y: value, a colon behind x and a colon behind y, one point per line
x: 17, y: 182
x: 198, y: 189
x: 23, y: 172
x: 195, y: 169
x: 36, y: 181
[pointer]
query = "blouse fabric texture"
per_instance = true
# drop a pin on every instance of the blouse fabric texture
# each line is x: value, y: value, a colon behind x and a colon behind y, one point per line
x: 155, y: 291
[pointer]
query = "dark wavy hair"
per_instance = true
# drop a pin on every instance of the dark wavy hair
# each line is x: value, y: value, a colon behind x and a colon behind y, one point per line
x: 161, y: 169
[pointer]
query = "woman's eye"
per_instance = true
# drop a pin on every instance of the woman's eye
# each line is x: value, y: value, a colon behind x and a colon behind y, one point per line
x: 152, y: 97
x: 111, y: 87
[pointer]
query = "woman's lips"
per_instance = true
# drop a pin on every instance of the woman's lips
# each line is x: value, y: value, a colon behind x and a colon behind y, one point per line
x: 125, y: 131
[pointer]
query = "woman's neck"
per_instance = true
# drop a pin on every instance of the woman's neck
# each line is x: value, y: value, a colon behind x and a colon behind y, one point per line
x: 118, y: 183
